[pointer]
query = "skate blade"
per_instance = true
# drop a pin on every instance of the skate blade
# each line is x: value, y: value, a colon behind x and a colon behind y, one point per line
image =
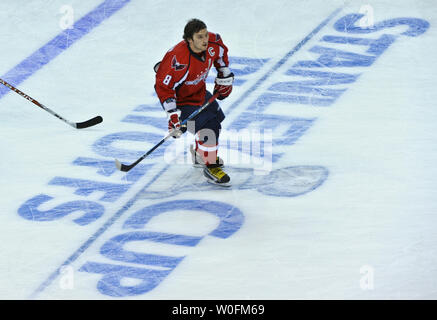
x: 223, y: 185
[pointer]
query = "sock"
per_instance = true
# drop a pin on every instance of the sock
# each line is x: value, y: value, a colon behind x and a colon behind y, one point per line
x: 207, y: 151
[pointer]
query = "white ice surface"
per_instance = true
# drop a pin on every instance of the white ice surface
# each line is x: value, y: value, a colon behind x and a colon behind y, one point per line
x: 376, y: 208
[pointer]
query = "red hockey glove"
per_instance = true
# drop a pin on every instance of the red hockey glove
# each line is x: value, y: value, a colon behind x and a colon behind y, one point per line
x: 223, y: 83
x: 173, y: 115
x: 174, y: 125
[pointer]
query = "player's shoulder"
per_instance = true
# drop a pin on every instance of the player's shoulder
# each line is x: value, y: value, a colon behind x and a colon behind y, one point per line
x: 181, y: 47
x: 179, y: 52
x: 215, y: 38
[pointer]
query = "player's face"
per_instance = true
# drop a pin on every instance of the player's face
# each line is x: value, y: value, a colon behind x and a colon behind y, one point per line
x: 199, y: 43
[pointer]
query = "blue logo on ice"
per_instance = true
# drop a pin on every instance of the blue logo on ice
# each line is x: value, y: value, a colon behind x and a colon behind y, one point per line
x: 231, y: 219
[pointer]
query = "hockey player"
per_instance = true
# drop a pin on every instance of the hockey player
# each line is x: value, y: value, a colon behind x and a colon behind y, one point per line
x: 181, y: 88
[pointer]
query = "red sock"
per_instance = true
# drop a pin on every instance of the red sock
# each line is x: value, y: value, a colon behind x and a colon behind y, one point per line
x: 207, y: 151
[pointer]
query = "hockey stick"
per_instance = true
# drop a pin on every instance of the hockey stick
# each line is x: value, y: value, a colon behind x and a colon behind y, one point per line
x: 126, y: 168
x: 77, y: 125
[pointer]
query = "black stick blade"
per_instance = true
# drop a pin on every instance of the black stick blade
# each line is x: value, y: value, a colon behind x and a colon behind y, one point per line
x: 89, y: 123
x: 122, y: 167
x: 126, y: 168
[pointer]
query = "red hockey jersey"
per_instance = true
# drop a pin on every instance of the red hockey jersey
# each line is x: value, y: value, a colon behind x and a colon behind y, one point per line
x: 182, y: 73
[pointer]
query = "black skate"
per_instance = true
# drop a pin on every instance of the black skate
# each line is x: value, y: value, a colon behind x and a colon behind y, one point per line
x: 216, y: 175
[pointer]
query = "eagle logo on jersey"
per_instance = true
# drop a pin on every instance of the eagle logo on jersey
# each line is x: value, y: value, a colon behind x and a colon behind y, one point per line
x: 176, y: 65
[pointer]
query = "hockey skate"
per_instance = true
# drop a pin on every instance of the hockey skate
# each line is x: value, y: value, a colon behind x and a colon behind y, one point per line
x: 198, y: 161
x: 216, y: 175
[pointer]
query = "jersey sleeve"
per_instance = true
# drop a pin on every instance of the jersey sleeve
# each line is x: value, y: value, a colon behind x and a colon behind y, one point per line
x: 172, y: 71
x: 222, y: 57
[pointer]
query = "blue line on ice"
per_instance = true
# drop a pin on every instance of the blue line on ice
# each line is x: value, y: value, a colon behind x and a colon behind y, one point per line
x: 60, y: 43
x: 283, y: 60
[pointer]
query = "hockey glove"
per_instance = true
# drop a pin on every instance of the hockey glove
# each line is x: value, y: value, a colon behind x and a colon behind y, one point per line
x: 173, y: 115
x: 223, y: 83
x: 174, y: 125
